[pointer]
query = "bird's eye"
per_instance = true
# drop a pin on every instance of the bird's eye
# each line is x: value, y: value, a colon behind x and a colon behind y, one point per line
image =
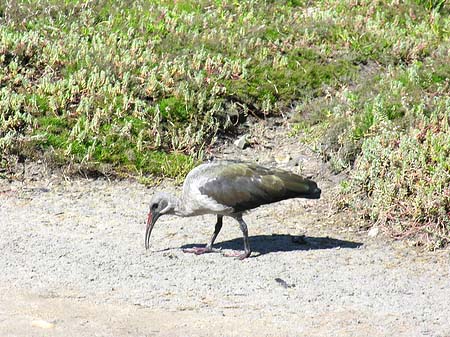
x: 154, y: 206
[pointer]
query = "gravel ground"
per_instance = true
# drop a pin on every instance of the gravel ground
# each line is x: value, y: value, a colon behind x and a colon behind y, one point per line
x: 74, y: 264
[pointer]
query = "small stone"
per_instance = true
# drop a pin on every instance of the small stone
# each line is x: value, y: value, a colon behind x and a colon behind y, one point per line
x: 283, y: 283
x: 282, y: 158
x: 294, y: 162
x: 170, y: 255
x: 373, y: 232
x: 40, y: 323
x: 241, y: 142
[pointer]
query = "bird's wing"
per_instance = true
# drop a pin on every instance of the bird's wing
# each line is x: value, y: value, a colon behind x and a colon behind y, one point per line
x: 246, y: 186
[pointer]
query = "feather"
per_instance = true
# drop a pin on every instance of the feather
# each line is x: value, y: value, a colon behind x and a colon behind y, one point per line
x: 245, y: 186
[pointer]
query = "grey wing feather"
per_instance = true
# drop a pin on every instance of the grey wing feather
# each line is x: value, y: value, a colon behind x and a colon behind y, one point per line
x: 246, y: 186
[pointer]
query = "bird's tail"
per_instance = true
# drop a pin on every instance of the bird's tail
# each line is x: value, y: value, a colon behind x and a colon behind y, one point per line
x: 298, y: 186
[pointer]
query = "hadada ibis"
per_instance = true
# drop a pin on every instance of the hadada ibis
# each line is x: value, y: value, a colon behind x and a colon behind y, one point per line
x: 229, y: 188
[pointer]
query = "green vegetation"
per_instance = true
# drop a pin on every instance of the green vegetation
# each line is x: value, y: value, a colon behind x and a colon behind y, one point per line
x: 389, y: 126
x: 142, y: 87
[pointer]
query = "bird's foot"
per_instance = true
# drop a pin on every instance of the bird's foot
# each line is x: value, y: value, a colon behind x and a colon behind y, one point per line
x: 238, y: 255
x: 200, y: 250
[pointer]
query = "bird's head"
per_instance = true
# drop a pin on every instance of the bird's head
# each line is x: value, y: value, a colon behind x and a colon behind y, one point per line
x: 161, y: 203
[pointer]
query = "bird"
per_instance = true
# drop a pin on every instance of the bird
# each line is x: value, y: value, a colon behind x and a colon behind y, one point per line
x: 228, y: 188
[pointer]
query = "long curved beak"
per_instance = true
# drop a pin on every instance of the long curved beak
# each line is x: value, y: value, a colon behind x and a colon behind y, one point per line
x: 151, y: 219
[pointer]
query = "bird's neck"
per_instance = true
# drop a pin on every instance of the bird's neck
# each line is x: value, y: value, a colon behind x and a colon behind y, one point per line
x: 178, y: 207
x: 179, y: 210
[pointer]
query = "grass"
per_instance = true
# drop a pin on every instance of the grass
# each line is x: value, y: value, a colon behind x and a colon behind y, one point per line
x: 136, y: 84
x: 142, y: 87
x: 389, y: 126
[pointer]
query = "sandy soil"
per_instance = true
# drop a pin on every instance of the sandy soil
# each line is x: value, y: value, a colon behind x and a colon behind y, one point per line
x: 74, y: 264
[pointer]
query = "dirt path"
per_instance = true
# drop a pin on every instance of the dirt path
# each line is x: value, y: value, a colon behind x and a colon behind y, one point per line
x: 74, y: 264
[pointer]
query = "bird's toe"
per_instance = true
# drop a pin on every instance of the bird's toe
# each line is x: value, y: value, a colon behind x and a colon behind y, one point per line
x: 238, y: 254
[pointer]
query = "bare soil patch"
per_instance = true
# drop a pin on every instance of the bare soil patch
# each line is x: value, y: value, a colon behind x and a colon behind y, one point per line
x: 73, y: 256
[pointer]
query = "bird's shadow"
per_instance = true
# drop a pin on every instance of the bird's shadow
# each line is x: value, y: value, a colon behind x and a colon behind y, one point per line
x: 264, y: 244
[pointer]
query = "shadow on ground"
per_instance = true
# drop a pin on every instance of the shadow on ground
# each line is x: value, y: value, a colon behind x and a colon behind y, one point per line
x: 264, y: 244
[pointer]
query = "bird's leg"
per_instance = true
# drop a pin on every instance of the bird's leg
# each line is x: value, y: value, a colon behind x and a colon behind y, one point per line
x: 208, y: 248
x: 217, y: 229
x: 247, y: 250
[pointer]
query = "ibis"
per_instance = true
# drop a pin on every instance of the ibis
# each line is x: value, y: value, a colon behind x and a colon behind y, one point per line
x: 228, y: 188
